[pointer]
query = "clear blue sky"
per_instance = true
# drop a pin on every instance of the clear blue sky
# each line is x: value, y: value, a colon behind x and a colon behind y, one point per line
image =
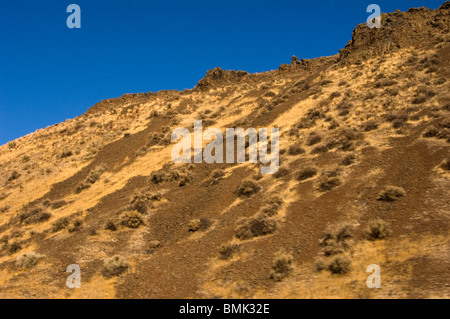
x: 49, y: 73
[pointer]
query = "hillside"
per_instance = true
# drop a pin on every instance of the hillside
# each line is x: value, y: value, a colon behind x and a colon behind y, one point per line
x: 363, y: 179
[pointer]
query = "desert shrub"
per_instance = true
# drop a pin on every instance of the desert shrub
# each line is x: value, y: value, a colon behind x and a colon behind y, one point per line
x: 340, y: 232
x: 314, y: 139
x: 165, y: 129
x: 348, y: 160
x: 392, y: 91
x: 345, y: 104
x: 333, y: 248
x: 154, y: 139
x: 12, y: 145
x: 369, y: 126
x: 14, y: 247
x: 139, y: 201
x: 445, y: 165
x: 228, y: 250
x: 295, y: 150
x: 319, y: 149
x: 423, y: 94
x: 270, y: 94
x: 184, y: 179
x: 65, y: 154
x: 4, y: 209
x: 34, y: 216
x: 256, y: 227
x: 28, y: 260
x: 60, y: 224
x: 75, y: 225
x: 282, y: 171
x: 440, y: 81
x: 305, y: 123
x: 272, y: 207
x: 157, y: 177
x: 329, y: 184
x: 181, y: 177
x: 202, y: 224
x: 114, y: 266
x: 306, y: 173
x: 385, y: 83
x: 153, y: 113
x: 333, y: 125
x: 91, y: 178
x: 340, y: 265
x: 357, y: 75
x: 400, y: 117
x: 336, y: 239
x: 3, y: 195
x: 391, y: 193
x: 443, y: 133
x: 378, y: 229
x: 58, y: 204
x: 81, y: 187
x: 194, y: 225
x: 335, y: 94
x: 218, y: 173
x: 131, y: 219
x: 270, y: 210
x: 110, y: 225
x: 205, y: 223
x: 369, y: 96
x: 281, y: 266
x: 419, y: 100
x: 431, y: 132
x: 344, y: 112
x: 13, y: 176
x: 325, y: 82
x: 154, y: 244
x: 332, y: 143
x: 247, y: 188
x: 398, y: 123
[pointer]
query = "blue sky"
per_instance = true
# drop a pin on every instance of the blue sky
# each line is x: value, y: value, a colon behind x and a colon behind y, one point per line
x: 49, y: 73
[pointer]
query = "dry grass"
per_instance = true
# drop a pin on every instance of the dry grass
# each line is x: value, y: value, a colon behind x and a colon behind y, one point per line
x: 28, y: 260
x: 306, y: 173
x: 391, y: 193
x: 247, y: 188
x: 114, y: 266
x: 282, y: 266
x: 227, y: 251
x: 256, y: 227
x: 378, y: 229
x: 131, y: 219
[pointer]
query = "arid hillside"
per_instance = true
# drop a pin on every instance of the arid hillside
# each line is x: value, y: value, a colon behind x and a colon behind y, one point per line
x: 364, y: 179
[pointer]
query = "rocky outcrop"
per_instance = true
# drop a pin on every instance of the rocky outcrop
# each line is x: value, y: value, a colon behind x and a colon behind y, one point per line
x: 415, y: 28
x: 218, y: 77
